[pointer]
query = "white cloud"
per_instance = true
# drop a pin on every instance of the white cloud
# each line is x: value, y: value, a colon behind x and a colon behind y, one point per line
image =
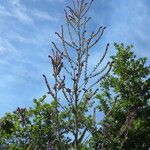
x: 55, y: 0
x: 16, y: 37
x: 15, y: 2
x: 43, y: 15
x: 22, y: 16
x: 4, y: 12
x: 17, y: 11
x: 49, y: 0
x: 6, y: 46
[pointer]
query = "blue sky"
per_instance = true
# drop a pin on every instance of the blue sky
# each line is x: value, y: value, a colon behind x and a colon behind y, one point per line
x: 27, y: 28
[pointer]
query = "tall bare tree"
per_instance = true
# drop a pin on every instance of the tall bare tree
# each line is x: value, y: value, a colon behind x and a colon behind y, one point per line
x: 72, y: 76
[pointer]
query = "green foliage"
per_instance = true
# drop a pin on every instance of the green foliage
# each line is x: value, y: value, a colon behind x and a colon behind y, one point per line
x: 125, y: 103
x: 26, y: 127
x: 34, y: 128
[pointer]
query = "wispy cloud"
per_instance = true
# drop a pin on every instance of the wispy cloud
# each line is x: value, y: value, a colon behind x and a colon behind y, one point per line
x: 4, y: 12
x: 27, y: 16
x: 49, y: 0
x: 24, y: 14
x: 6, y: 46
x: 15, y: 2
x: 16, y: 11
x: 43, y: 15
